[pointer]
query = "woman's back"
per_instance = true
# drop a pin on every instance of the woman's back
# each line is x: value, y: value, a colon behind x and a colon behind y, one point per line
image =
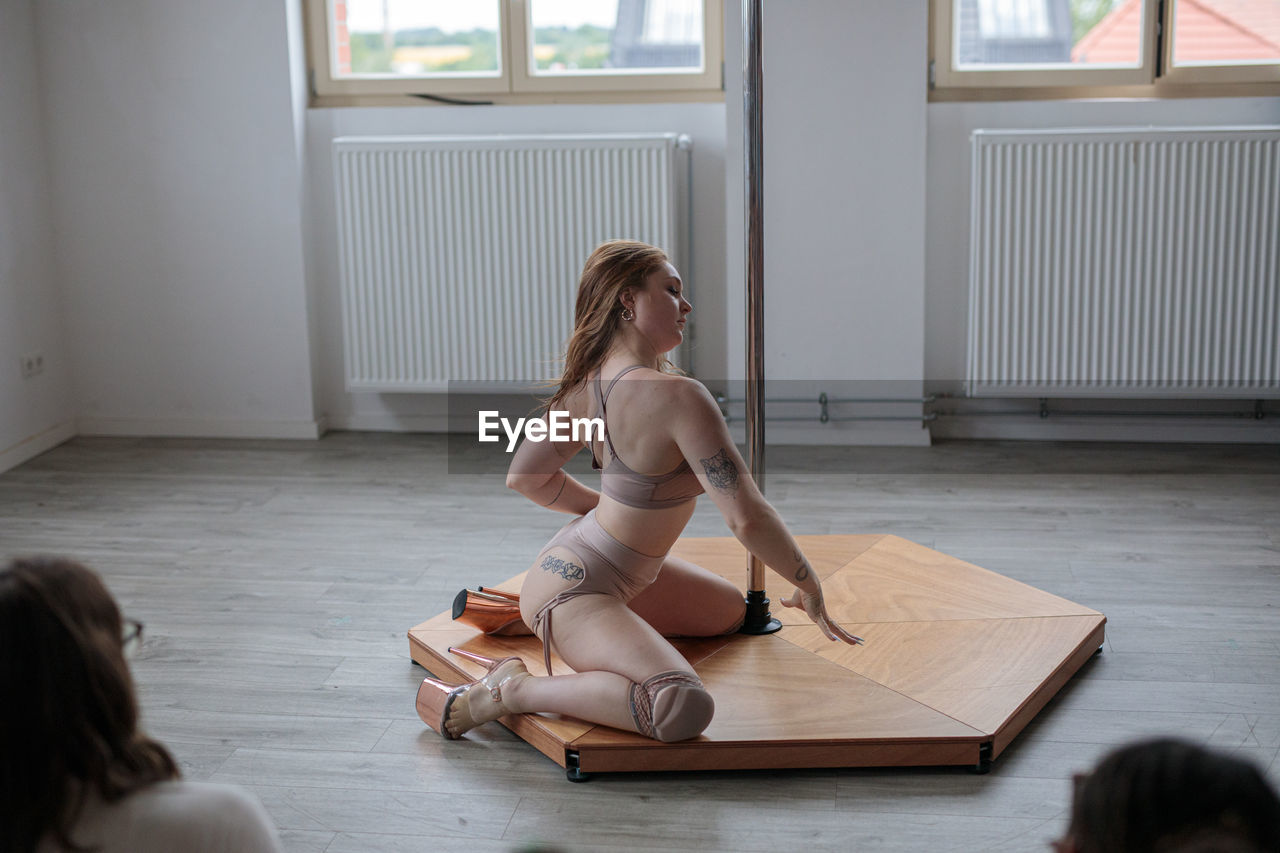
x: 76, y: 766
x: 648, y: 486
x: 192, y: 817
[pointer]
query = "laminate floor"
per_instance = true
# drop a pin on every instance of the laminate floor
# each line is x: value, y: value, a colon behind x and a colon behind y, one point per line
x: 277, y: 579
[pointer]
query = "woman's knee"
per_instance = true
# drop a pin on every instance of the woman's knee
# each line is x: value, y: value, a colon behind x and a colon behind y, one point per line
x: 672, y: 706
x: 723, y: 610
x: 735, y: 613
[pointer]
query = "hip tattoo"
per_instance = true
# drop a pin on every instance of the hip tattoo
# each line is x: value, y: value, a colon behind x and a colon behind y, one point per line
x: 563, y: 568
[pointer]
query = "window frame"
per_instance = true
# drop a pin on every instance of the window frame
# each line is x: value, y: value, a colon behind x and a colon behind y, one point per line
x: 1156, y: 75
x: 515, y: 82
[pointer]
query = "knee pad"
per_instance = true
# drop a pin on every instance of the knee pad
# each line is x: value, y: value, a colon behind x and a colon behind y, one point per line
x: 671, y: 706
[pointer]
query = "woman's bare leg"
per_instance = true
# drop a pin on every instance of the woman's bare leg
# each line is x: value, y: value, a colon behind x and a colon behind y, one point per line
x: 610, y: 647
x: 689, y: 601
x: 597, y: 697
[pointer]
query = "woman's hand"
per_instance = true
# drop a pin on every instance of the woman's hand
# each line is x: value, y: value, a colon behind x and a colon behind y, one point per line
x: 817, y: 611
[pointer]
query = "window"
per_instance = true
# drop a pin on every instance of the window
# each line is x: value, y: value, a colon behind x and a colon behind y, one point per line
x: 506, y: 49
x: 1224, y: 40
x: 1130, y: 47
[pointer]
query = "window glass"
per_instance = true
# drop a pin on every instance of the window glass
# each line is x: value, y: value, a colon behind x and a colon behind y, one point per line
x: 415, y: 38
x: 1226, y: 32
x: 1047, y: 33
x: 583, y: 37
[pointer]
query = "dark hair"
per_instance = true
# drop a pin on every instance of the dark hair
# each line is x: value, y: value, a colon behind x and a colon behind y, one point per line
x: 1169, y: 795
x: 69, y: 717
x: 612, y: 268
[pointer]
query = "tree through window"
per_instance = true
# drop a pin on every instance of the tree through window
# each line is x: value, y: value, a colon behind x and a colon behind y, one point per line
x: 513, y: 46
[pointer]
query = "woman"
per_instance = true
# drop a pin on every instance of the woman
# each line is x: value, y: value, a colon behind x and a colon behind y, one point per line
x: 1172, y: 796
x: 604, y: 592
x: 77, y: 774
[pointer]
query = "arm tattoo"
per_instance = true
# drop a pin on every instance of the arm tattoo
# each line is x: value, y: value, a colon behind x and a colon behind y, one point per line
x: 721, y: 472
x: 563, y: 479
x: 566, y: 570
x: 803, y: 571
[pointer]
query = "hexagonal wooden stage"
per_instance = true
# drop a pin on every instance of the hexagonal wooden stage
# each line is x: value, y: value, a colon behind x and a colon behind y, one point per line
x: 958, y: 660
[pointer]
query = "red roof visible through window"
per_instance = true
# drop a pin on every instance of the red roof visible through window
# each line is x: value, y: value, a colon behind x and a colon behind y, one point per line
x: 1116, y: 38
x: 1204, y: 31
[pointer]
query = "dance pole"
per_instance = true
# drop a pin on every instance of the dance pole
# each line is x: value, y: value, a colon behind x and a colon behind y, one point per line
x: 758, y: 620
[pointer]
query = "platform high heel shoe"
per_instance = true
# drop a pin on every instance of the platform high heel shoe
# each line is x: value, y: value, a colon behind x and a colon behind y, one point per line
x: 491, y: 611
x: 455, y: 709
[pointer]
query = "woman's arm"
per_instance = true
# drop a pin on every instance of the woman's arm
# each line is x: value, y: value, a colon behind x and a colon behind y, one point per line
x: 537, y: 472
x: 703, y: 438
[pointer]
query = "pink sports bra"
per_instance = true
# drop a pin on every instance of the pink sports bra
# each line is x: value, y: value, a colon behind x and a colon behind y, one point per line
x: 642, y: 491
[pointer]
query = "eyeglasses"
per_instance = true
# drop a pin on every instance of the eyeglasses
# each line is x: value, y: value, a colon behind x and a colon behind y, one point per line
x: 131, y: 637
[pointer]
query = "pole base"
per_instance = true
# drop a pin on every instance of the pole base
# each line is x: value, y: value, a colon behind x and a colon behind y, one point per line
x: 758, y: 620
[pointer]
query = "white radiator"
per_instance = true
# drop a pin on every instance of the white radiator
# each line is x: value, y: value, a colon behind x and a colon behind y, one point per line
x: 460, y: 256
x: 1128, y: 263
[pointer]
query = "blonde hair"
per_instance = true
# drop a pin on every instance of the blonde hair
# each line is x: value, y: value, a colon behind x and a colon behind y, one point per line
x: 611, y: 269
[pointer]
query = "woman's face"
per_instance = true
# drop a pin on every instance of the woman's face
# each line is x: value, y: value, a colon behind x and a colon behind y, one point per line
x: 661, y: 309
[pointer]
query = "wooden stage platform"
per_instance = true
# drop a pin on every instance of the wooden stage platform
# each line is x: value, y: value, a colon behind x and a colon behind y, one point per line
x: 958, y: 660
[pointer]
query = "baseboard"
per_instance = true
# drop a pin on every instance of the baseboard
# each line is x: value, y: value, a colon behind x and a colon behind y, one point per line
x: 198, y: 428
x: 907, y: 433
x: 1066, y: 428
x: 390, y: 423
x: 33, y: 446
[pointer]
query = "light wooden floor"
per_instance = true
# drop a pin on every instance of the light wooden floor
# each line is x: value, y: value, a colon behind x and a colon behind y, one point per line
x: 276, y: 580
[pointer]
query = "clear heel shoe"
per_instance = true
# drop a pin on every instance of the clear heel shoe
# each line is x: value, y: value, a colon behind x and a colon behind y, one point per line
x: 491, y: 611
x: 452, y: 710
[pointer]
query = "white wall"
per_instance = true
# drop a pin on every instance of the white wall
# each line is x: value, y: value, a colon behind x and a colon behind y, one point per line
x: 845, y: 153
x: 185, y: 237
x: 177, y: 189
x: 844, y: 214
x: 35, y: 413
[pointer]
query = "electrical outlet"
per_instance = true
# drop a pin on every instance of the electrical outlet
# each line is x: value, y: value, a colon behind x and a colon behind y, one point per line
x: 32, y: 364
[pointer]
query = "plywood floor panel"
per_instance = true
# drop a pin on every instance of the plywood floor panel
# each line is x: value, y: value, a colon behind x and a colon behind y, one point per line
x: 900, y: 581
x: 962, y: 654
x: 725, y: 555
x: 793, y: 695
x: 956, y: 657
